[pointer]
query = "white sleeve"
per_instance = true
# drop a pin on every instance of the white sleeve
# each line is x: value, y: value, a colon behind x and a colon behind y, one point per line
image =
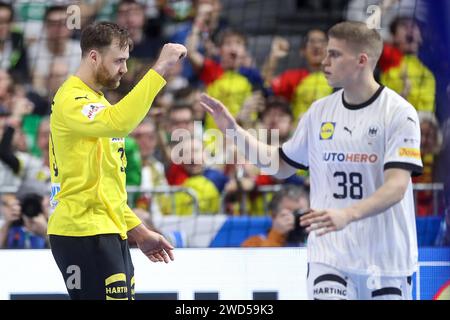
x: 295, y: 150
x: 403, y: 141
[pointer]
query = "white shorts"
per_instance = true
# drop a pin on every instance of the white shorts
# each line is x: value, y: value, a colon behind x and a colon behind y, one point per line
x: 328, y: 283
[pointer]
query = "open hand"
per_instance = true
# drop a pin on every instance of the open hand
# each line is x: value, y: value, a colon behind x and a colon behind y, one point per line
x: 325, y: 221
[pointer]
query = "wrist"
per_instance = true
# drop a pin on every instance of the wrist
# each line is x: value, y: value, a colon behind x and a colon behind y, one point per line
x: 352, y: 214
x: 138, y: 233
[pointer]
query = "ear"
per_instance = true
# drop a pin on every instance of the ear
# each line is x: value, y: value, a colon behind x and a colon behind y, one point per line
x: 363, y: 59
x: 94, y: 55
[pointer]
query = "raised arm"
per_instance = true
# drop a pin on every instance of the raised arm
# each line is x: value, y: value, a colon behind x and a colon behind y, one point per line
x: 93, y: 119
x: 279, y: 50
x: 247, y: 144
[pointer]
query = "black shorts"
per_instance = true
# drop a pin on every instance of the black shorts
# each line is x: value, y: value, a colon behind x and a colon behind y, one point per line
x: 96, y: 267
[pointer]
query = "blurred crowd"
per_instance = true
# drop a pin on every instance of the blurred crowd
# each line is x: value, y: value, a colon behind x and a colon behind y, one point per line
x: 39, y: 49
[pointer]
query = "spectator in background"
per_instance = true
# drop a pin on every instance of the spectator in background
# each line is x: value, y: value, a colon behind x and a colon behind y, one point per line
x: 381, y: 13
x: 36, y: 178
x: 25, y: 224
x: 152, y: 173
x: 208, y: 23
x: 300, y: 86
x: 179, y: 117
x: 16, y: 165
x: 228, y: 80
x: 13, y: 55
x: 131, y: 15
x: 206, y: 183
x: 277, y: 115
x: 191, y: 96
x: 401, y: 68
x: 285, y: 230
x: 55, y: 43
x: 430, y: 147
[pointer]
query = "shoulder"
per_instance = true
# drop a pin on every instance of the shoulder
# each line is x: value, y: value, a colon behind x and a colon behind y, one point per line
x: 395, y: 102
x: 327, y: 102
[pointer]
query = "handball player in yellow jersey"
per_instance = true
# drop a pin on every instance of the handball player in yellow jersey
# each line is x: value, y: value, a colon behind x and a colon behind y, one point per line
x: 90, y: 219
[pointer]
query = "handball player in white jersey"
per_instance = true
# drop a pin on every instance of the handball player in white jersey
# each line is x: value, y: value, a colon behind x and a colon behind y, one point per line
x: 361, y: 145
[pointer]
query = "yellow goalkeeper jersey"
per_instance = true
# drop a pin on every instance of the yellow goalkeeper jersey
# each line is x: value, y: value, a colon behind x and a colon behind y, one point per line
x: 87, y: 157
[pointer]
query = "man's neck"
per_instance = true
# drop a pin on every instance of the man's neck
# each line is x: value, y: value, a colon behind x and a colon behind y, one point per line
x: 314, y: 68
x: 137, y: 35
x: 360, y: 92
x: 56, y: 47
x: 85, y: 74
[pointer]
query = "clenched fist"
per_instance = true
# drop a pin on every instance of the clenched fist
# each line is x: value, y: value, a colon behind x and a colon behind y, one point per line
x: 170, y: 54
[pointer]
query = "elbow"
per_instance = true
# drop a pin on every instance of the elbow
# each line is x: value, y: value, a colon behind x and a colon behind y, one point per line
x: 398, y: 191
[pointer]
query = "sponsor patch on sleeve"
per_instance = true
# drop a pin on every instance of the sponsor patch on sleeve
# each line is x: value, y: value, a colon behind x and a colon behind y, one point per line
x: 90, y: 110
x: 413, y: 153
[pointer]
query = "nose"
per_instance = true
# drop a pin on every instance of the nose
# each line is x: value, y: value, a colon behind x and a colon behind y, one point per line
x: 326, y: 61
x: 124, y: 68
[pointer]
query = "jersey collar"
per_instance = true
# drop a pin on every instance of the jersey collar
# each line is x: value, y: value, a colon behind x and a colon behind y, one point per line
x: 85, y: 86
x: 364, y: 104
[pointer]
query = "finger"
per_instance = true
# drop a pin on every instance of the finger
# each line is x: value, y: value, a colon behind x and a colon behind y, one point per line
x: 210, y: 100
x: 313, y: 219
x: 319, y: 225
x: 158, y: 256
x: 152, y: 258
x: 316, y: 225
x: 312, y: 214
x: 325, y: 230
x: 166, y: 244
x: 206, y: 107
x: 171, y: 255
x: 165, y: 256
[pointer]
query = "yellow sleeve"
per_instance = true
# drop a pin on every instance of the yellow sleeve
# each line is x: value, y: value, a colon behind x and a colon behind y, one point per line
x: 131, y: 219
x: 97, y: 120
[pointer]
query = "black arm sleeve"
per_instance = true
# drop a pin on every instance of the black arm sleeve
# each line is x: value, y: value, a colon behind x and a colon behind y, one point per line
x: 6, y: 153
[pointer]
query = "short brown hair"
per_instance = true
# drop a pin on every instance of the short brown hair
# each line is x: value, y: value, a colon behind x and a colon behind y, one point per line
x: 358, y: 35
x: 101, y: 34
x: 230, y: 32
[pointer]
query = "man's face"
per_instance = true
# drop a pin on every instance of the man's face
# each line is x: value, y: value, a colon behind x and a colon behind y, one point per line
x: 232, y: 52
x: 194, y: 150
x: 276, y: 119
x: 5, y: 23
x: 315, y: 49
x: 408, y: 37
x: 131, y: 16
x: 145, y: 136
x: 56, y: 27
x: 111, y: 65
x: 181, y: 119
x: 288, y: 206
x: 340, y: 64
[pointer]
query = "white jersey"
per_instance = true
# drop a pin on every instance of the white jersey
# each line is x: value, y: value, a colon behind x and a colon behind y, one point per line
x: 347, y: 148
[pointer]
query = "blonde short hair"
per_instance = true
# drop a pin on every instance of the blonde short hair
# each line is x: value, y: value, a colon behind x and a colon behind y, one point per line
x: 358, y: 36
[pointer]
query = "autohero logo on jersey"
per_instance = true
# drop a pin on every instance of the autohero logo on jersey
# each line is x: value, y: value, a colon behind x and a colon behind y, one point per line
x: 91, y: 110
x: 350, y: 157
x: 327, y: 130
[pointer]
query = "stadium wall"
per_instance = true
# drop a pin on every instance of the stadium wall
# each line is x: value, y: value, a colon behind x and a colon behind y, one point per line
x: 237, y: 273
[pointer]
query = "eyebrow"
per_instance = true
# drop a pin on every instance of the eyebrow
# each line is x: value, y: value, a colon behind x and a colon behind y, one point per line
x: 334, y: 51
